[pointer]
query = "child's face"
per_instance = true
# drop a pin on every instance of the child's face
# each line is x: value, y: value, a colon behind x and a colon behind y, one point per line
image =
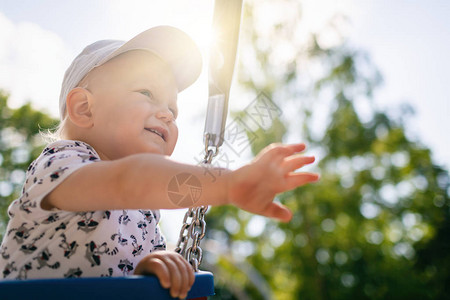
x: 134, y: 106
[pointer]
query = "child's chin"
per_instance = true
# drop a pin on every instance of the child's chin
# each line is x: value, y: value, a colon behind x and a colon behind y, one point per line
x: 157, y: 149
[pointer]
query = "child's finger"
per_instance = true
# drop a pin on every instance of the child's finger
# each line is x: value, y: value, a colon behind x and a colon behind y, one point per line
x: 277, y: 211
x: 157, y: 267
x: 295, y: 162
x: 294, y: 180
x: 187, y: 275
x: 175, y: 277
x: 163, y: 276
x: 300, y: 147
x: 191, y: 273
x: 280, y: 151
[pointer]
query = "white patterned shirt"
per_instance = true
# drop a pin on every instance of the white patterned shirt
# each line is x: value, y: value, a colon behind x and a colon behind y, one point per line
x: 54, y: 243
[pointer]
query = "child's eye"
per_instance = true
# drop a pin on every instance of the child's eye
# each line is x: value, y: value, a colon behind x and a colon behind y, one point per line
x: 146, y: 93
x: 174, y: 112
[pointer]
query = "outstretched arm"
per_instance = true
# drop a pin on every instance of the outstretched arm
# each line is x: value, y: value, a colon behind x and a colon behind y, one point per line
x: 141, y: 181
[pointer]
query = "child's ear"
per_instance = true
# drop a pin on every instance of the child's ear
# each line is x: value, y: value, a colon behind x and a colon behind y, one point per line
x: 79, y: 107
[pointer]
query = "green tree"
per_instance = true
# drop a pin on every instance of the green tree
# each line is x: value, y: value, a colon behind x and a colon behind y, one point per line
x: 377, y: 224
x: 20, y: 144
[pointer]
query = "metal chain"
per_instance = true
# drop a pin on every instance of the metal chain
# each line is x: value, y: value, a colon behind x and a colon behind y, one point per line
x: 194, y: 227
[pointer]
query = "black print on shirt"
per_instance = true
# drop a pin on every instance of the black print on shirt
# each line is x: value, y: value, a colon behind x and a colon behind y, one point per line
x: 21, y: 233
x: 125, y: 266
x: 43, y: 260
x: 93, y: 252
x: 73, y: 273
x: 23, y: 272
x: 55, y: 175
x: 137, y: 249
x: 31, y: 247
x: 52, y: 218
x: 122, y: 241
x: 124, y: 218
x: 148, y: 215
x: 87, y: 224
x: 69, y: 248
x: 27, y: 205
x: 9, y: 268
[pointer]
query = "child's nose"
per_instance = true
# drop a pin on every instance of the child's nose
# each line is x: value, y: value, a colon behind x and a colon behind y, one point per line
x: 165, y: 114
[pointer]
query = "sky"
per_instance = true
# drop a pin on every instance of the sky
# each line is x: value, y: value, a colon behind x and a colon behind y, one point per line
x: 409, y: 42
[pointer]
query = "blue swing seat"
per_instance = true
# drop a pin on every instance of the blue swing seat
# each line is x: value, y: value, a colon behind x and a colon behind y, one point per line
x: 110, y: 288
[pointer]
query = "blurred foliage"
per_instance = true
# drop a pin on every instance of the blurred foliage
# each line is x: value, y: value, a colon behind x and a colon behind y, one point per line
x: 377, y: 225
x: 20, y: 144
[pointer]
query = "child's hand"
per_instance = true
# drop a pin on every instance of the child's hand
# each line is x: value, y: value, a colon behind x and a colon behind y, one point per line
x: 254, y: 186
x: 172, y: 270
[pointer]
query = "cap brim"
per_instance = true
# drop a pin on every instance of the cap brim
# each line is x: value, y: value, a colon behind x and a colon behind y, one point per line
x: 172, y: 45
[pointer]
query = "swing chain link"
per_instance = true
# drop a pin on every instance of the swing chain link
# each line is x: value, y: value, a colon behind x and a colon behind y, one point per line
x: 183, y: 239
x: 209, y: 152
x: 194, y: 227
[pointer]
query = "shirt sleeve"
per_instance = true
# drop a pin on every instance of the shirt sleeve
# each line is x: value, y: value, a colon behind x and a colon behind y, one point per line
x: 53, y: 166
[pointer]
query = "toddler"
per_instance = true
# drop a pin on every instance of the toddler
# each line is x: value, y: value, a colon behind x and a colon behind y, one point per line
x: 90, y: 203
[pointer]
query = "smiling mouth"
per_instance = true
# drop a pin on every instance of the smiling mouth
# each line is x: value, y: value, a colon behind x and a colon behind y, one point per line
x: 156, y: 132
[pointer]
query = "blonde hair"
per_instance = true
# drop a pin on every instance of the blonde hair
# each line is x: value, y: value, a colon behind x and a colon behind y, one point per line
x: 55, y: 134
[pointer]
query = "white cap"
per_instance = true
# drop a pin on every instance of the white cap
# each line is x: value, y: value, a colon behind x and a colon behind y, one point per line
x: 172, y: 45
